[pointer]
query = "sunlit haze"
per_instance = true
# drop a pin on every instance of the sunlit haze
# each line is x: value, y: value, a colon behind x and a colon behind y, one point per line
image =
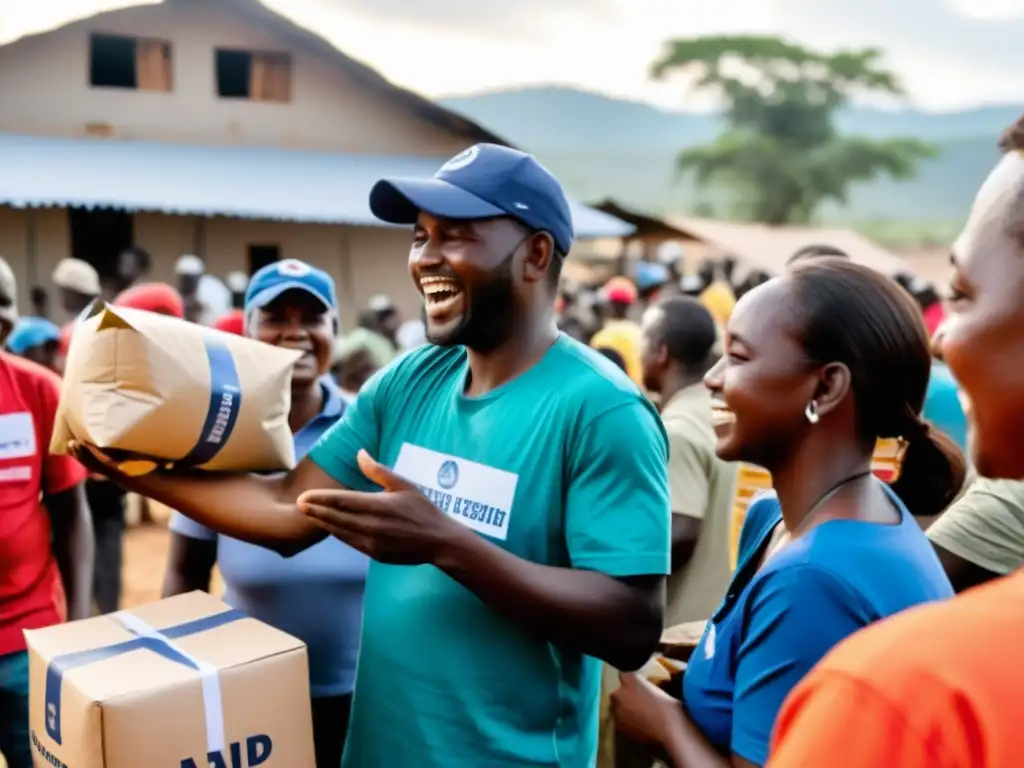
x: 447, y: 47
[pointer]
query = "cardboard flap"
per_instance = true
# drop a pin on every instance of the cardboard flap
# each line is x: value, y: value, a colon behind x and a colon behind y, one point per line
x: 61, y: 435
x: 160, y: 328
x: 111, y: 318
x: 62, y: 432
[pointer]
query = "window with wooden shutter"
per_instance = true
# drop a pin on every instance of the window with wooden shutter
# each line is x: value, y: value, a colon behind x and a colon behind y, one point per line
x: 153, y: 65
x: 259, y: 76
x: 117, y: 61
x: 270, y: 78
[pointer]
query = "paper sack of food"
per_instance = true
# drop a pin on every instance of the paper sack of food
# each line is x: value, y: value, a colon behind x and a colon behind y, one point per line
x: 151, y: 390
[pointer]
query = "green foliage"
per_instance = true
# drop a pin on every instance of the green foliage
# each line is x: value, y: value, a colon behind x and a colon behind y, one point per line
x: 781, y: 152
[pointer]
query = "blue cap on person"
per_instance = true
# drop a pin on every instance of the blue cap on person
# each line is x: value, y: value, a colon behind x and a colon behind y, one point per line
x: 32, y: 332
x: 289, y: 275
x: 482, y: 182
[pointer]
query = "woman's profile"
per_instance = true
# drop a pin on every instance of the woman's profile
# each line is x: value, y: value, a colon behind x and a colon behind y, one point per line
x: 819, y: 364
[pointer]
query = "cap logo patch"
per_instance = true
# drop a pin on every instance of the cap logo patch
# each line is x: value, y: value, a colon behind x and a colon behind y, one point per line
x: 293, y: 268
x: 461, y: 160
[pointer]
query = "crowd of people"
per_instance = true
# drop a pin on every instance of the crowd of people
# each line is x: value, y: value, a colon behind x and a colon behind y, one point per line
x: 500, y: 507
x: 288, y: 304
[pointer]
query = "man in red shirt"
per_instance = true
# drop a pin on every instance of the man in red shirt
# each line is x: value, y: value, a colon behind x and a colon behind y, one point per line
x: 35, y: 576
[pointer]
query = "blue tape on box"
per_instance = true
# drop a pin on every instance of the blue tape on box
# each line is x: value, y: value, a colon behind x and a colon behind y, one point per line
x: 225, y: 403
x: 158, y: 642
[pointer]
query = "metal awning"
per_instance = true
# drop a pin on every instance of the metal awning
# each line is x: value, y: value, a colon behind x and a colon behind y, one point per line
x: 239, y: 181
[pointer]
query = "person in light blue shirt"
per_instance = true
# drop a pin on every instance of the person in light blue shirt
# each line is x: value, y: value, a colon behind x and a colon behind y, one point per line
x: 818, y: 366
x: 942, y: 405
x: 316, y: 596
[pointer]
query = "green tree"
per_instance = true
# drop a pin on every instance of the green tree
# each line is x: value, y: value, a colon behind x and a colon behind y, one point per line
x: 780, y: 150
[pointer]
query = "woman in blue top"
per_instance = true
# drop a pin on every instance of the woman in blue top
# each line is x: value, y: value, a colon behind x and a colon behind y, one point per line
x: 818, y: 365
x: 316, y: 595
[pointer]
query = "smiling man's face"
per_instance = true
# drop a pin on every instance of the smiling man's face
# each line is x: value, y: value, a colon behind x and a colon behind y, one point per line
x: 982, y: 339
x: 466, y: 273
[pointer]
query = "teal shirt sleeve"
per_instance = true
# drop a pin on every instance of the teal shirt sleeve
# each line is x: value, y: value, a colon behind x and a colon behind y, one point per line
x: 360, y: 428
x: 617, y: 511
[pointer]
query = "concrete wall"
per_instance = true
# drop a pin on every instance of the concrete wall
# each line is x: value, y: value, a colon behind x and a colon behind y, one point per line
x: 45, y: 90
x: 50, y: 242
x: 362, y: 260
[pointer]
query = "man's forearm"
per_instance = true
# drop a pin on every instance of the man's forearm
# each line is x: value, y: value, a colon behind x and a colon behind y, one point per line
x: 588, y: 611
x: 74, y: 547
x: 259, y: 510
x: 686, y: 531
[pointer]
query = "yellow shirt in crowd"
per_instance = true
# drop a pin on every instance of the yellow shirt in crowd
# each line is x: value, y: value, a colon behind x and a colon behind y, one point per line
x: 623, y: 336
x: 719, y: 300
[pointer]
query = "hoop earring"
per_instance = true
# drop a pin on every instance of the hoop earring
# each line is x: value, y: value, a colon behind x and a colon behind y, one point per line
x: 811, y: 412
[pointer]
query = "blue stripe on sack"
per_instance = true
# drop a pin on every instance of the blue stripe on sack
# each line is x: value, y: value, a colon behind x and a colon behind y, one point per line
x: 59, y: 665
x: 225, y: 403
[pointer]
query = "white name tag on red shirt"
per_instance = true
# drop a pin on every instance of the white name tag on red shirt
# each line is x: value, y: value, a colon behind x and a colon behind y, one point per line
x: 476, y: 495
x: 17, y: 435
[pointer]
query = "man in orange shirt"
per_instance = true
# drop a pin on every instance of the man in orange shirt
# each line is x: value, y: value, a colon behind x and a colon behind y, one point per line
x: 943, y: 686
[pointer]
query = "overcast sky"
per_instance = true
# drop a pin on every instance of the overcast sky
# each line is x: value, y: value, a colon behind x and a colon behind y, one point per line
x: 949, y: 53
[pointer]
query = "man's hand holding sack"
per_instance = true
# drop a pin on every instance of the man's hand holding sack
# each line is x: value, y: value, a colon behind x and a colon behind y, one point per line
x: 151, y: 391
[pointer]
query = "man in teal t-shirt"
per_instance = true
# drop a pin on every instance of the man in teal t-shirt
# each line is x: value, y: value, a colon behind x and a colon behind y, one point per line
x: 509, y: 483
x: 536, y: 444
x: 559, y: 466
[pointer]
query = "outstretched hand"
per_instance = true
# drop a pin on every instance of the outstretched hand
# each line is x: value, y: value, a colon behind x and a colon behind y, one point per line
x: 398, y: 525
x: 643, y: 711
x: 101, y: 464
x: 94, y: 460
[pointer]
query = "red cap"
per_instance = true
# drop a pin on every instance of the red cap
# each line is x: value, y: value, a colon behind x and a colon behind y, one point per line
x: 152, y: 297
x: 233, y: 322
x: 620, y: 290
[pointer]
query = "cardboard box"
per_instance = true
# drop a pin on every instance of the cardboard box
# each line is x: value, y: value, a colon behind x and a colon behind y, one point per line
x: 154, y: 390
x: 186, y: 682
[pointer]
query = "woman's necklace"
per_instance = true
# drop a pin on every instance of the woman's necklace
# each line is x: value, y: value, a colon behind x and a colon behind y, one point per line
x: 788, y: 536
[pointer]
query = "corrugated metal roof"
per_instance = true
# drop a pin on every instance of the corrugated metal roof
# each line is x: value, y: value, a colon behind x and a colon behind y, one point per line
x: 245, y: 182
x: 759, y: 246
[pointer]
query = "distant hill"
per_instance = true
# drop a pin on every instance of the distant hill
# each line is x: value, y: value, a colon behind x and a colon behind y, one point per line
x: 556, y: 119
x: 605, y: 147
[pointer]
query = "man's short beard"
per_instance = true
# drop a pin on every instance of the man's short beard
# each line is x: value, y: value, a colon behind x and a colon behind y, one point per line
x: 489, y: 318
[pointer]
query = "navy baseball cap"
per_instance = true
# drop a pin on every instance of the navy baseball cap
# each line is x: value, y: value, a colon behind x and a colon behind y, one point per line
x: 482, y: 182
x: 289, y: 275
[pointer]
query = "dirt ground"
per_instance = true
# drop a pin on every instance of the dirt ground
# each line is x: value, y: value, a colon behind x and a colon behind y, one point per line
x: 145, y: 557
